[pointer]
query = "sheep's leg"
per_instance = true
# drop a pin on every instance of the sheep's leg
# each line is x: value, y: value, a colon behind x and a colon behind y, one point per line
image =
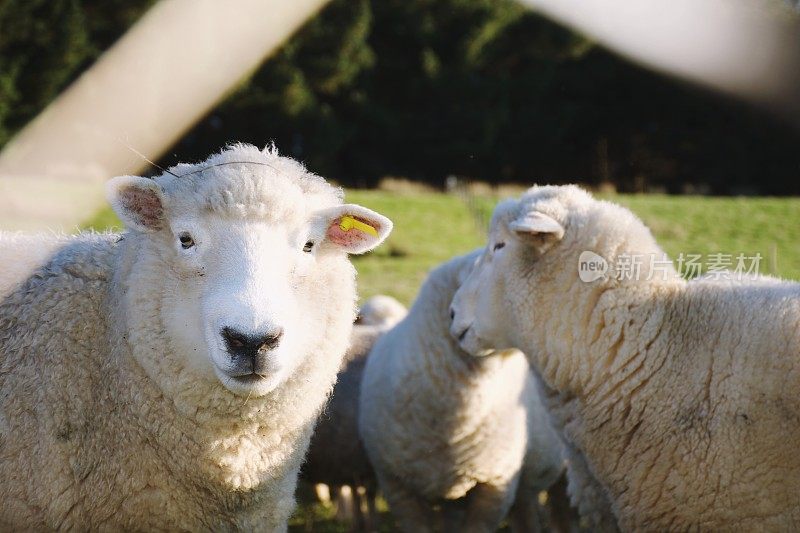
x: 486, y: 507
x: 358, y: 523
x: 525, y: 514
x: 528, y: 513
x: 371, y: 519
x: 452, y: 515
x: 413, y: 513
x: 344, y: 504
x: 562, y: 516
x: 323, y: 493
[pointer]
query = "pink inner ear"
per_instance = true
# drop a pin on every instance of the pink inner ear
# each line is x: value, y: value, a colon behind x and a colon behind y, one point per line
x: 144, y: 205
x: 347, y: 238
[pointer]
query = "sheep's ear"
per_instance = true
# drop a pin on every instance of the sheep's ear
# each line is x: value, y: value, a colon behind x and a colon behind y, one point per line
x: 538, y: 229
x: 355, y: 229
x: 138, y: 202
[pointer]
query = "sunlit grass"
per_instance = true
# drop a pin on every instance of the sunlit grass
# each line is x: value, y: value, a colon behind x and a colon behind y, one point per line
x: 701, y: 225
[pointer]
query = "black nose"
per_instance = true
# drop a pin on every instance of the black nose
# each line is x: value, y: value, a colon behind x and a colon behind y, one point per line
x: 452, y: 314
x: 249, y: 345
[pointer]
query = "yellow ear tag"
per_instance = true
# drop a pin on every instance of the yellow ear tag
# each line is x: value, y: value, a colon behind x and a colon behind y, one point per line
x: 347, y: 223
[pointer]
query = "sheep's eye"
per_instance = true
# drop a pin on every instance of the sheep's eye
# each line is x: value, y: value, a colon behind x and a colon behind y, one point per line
x: 186, y: 241
x: 498, y: 246
x: 308, y: 246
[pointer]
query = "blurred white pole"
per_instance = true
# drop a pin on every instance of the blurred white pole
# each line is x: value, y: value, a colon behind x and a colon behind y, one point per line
x: 162, y: 76
x: 746, y: 48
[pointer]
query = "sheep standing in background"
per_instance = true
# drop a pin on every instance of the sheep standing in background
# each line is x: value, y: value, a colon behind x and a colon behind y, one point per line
x: 21, y: 255
x: 381, y: 310
x: 169, y: 378
x: 442, y: 426
x: 680, y: 397
x: 336, y: 456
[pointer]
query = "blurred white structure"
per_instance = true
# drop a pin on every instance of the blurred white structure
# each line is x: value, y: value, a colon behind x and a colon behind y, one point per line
x: 171, y: 68
x: 184, y: 55
x: 746, y: 48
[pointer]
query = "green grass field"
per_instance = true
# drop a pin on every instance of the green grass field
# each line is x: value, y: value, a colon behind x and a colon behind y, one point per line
x: 432, y: 227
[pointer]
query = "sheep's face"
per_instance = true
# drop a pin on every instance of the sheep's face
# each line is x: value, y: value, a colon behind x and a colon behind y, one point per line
x: 244, y: 285
x: 244, y: 298
x: 487, y: 305
x: 477, y: 311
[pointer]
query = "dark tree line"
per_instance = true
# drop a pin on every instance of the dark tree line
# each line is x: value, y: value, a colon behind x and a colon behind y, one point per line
x: 428, y: 88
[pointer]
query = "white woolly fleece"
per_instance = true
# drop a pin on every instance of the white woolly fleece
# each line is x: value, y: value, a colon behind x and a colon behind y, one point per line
x: 107, y: 423
x: 438, y: 423
x: 681, y: 398
x: 336, y: 455
x: 22, y: 254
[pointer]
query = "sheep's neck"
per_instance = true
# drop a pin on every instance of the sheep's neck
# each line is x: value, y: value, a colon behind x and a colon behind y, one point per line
x: 594, y: 373
x: 592, y: 336
x: 457, y: 378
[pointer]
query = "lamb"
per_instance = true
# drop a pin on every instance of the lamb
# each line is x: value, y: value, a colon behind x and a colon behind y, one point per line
x: 442, y: 426
x: 336, y: 456
x: 681, y: 397
x: 169, y: 378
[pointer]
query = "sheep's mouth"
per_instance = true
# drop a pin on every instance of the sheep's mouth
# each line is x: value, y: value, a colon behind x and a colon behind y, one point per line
x: 247, y: 382
x: 248, y: 379
x: 243, y: 377
x: 249, y: 385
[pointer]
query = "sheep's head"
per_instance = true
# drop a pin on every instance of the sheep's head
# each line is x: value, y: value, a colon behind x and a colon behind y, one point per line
x: 485, y: 313
x: 381, y: 310
x: 550, y: 245
x: 249, y: 254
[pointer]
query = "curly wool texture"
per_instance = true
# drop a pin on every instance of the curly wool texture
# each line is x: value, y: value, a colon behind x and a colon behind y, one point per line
x: 439, y: 424
x: 22, y: 254
x: 681, y: 397
x: 336, y: 455
x: 381, y: 310
x: 103, y: 427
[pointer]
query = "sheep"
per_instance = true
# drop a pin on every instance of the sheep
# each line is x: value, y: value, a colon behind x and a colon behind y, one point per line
x: 169, y: 378
x: 21, y: 254
x: 336, y: 456
x: 440, y: 426
x: 381, y: 310
x: 680, y: 397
